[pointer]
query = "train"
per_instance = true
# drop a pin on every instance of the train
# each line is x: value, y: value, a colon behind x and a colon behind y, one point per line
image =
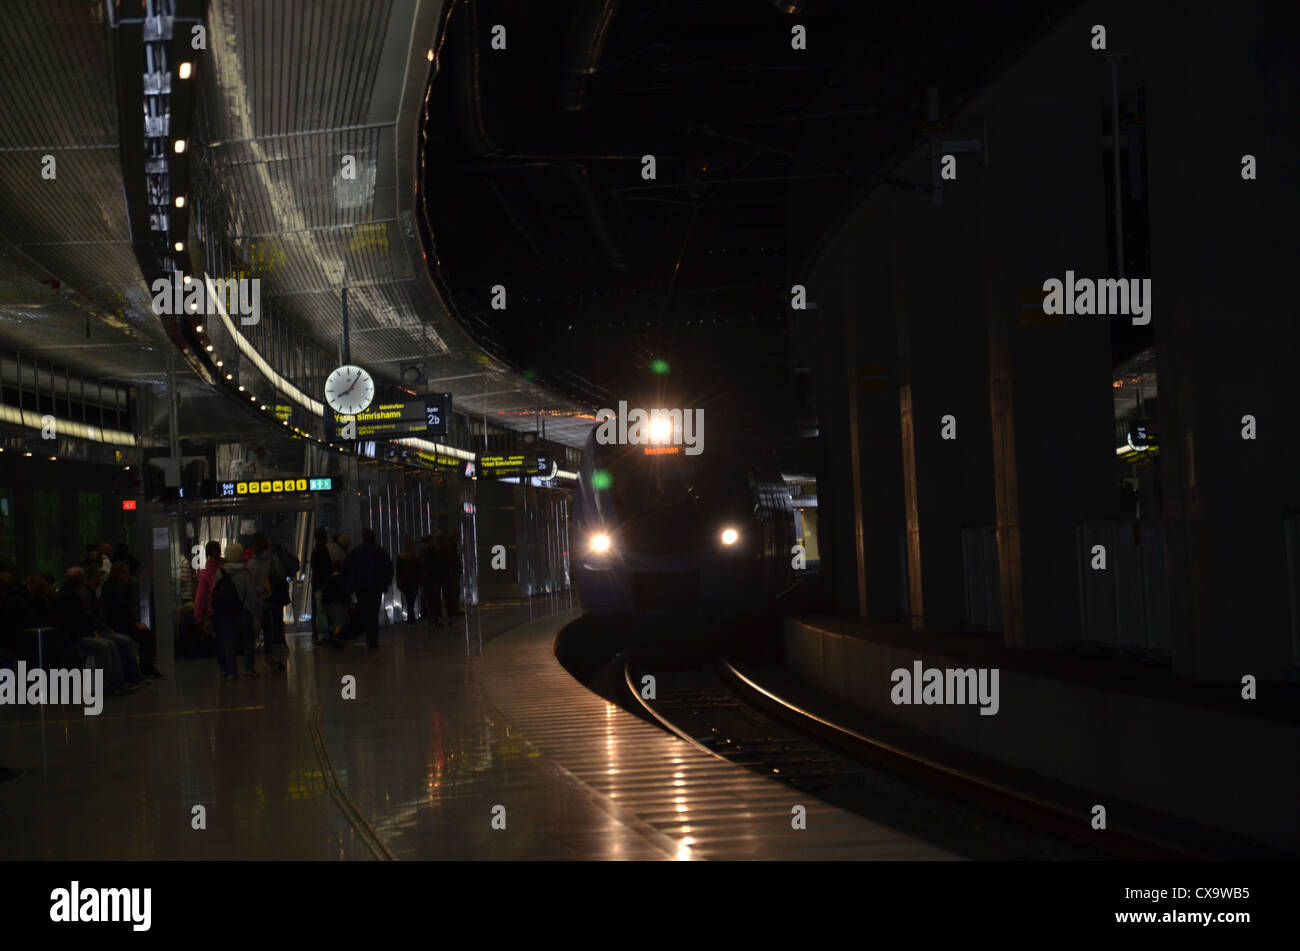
x: 659, y: 532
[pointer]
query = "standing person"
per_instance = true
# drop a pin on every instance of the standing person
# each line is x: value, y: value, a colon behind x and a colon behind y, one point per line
x: 334, y: 596
x: 408, y: 576
x: 123, y: 553
x: 203, y: 613
x: 431, y: 581
x: 121, y: 612
x: 370, y: 572
x: 449, y: 561
x: 273, y: 603
x: 320, y: 576
x: 339, y: 547
x: 258, y: 559
x: 232, y: 603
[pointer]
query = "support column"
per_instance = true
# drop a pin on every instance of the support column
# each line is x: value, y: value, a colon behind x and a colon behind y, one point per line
x: 939, y: 299
x: 1225, y: 318
x: 1050, y: 381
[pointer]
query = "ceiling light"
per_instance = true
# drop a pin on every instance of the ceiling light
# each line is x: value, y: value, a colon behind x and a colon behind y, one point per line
x: 180, y: 201
x: 179, y: 146
x: 241, y: 387
x: 229, y: 376
x: 185, y: 70
x: 179, y: 245
x: 198, y: 328
x: 209, y: 348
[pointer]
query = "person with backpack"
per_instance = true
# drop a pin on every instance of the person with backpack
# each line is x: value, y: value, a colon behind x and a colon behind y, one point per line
x: 231, y: 614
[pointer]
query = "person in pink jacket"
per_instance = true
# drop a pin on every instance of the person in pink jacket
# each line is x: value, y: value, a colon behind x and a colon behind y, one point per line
x: 207, y: 578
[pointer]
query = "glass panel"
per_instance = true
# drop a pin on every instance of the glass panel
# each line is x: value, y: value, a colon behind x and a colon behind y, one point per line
x: 46, y: 522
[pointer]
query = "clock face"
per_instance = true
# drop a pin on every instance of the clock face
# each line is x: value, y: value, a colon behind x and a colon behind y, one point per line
x: 349, y: 390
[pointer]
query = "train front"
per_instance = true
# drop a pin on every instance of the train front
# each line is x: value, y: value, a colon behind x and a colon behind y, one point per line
x: 659, y: 531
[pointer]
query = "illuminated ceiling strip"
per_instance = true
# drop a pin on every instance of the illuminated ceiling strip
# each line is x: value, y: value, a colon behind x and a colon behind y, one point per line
x: 248, y: 350
x: 66, y: 427
x: 565, y: 474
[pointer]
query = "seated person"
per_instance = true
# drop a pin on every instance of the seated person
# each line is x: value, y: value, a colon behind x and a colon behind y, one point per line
x: 83, y: 633
x: 120, y: 610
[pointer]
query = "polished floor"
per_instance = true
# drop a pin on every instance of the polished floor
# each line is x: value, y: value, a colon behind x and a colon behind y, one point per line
x: 452, y: 734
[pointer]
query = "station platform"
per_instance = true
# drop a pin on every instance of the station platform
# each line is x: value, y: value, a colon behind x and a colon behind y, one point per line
x: 449, y: 730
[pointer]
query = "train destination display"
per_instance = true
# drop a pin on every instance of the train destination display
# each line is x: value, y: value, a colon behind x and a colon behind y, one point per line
x: 514, y: 464
x: 417, y: 416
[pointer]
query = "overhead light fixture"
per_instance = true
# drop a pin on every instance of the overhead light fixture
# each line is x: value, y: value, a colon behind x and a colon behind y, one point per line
x: 230, y: 376
x: 220, y: 364
x: 185, y: 70
x: 179, y: 146
x: 241, y: 387
x: 431, y: 56
x: 180, y: 201
x: 198, y: 328
x: 179, y: 246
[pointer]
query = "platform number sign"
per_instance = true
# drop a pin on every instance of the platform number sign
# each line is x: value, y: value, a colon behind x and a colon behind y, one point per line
x: 437, y: 407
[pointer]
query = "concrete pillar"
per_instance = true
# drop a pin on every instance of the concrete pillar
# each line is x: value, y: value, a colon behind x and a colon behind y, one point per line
x: 859, y: 487
x: 939, y: 296
x: 1049, y: 385
x: 869, y: 297
x: 1223, y: 84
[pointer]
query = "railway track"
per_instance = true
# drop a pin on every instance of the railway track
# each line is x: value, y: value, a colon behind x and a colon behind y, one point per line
x: 719, y: 709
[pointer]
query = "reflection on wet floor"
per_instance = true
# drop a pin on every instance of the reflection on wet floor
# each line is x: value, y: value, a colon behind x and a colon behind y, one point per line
x: 442, y: 754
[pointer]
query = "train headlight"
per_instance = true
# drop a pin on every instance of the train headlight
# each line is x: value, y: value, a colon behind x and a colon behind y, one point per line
x: 599, y: 543
x: 730, y: 536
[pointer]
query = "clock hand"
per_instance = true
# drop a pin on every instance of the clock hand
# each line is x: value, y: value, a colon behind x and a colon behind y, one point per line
x: 352, y: 387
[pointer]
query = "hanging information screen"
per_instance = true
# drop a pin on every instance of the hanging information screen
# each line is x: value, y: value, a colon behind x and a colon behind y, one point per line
x: 418, y: 416
x: 515, y: 464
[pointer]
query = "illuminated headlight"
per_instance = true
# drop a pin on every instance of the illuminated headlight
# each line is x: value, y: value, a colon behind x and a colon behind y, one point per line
x: 730, y: 536
x: 599, y: 543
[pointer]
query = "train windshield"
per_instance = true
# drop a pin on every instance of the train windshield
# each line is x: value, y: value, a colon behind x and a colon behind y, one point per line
x: 661, y: 501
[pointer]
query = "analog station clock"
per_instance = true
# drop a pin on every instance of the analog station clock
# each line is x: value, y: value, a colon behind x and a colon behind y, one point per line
x: 349, y: 390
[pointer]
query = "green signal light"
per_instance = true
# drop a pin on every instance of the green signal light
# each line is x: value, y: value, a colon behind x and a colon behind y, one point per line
x: 600, y: 479
x: 659, y: 365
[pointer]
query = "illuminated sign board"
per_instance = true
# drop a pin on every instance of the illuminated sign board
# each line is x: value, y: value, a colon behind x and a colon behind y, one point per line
x: 237, y: 490
x: 421, y: 416
x: 515, y: 464
x: 436, y: 460
x: 128, y: 505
